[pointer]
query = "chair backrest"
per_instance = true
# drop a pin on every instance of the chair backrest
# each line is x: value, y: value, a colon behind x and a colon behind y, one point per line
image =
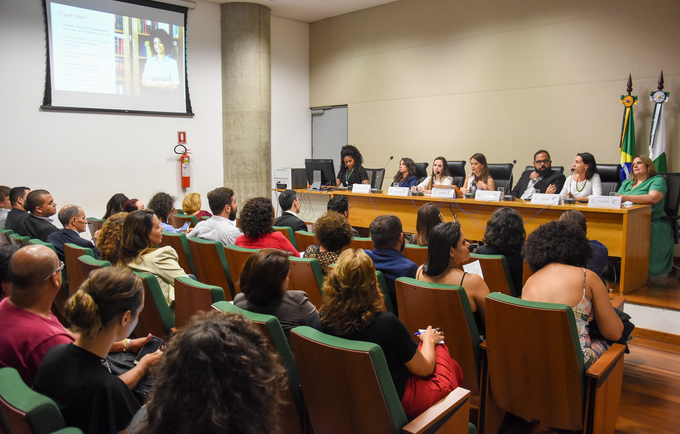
x: 19, y: 240
x: 236, y: 258
x: 39, y: 242
x: 457, y: 169
x: 362, y: 243
x: 502, y: 175
x: 672, y: 200
x: 382, y: 283
x: 375, y: 177
x: 23, y: 410
x: 94, y: 224
x: 4, y: 236
x: 555, y: 168
x: 421, y: 170
x: 192, y: 297
x: 535, y: 381
x: 75, y: 275
x: 288, y: 233
x: 88, y: 264
x: 526, y: 273
x: 496, y: 273
x: 447, y: 307
x: 306, y: 275
x: 180, y: 219
x: 610, y: 175
x: 415, y: 253
x: 304, y: 239
x: 293, y: 412
x: 180, y: 243
x: 211, y: 265
x: 156, y: 317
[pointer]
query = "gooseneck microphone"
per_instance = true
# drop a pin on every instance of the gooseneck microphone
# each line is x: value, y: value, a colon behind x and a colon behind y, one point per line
x: 388, y: 161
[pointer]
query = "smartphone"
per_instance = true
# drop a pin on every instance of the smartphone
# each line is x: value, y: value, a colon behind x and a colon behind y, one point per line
x: 184, y: 226
x: 150, y: 347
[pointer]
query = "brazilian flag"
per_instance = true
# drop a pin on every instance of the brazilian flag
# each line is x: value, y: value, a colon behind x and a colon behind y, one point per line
x: 627, y: 145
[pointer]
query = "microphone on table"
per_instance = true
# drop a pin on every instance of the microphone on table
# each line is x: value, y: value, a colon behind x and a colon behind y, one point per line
x: 570, y: 197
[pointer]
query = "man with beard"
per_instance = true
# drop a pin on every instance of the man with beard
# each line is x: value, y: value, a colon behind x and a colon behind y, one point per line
x: 222, y: 225
x: 542, y: 178
x: 388, y: 240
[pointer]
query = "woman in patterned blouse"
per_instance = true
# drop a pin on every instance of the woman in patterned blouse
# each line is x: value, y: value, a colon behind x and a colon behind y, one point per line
x: 333, y: 233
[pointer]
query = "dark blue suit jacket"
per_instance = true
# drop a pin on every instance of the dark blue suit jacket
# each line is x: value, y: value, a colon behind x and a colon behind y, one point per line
x: 393, y: 265
x: 63, y: 236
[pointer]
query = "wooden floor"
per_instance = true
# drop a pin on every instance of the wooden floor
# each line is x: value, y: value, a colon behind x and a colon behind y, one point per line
x: 663, y: 292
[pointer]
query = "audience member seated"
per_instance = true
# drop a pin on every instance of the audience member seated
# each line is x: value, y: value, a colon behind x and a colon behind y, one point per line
x: 29, y: 329
x: 132, y: 205
x: 406, y: 175
x: 505, y: 235
x: 73, y: 219
x: 340, y: 204
x: 115, y: 205
x: 351, y: 168
x: 191, y: 205
x: 290, y: 208
x: 104, y: 310
x: 140, y: 235
x: 108, y: 241
x: 17, y: 199
x: 646, y: 187
x: 163, y: 205
x: 542, y: 178
x: 6, y: 253
x: 333, y: 233
x: 600, y: 252
x: 218, y: 375
x: 388, y: 240
x: 5, y: 204
x: 222, y: 225
x: 429, y: 216
x: 585, y: 179
x: 38, y: 223
x: 422, y: 374
x: 440, y: 176
x: 557, y: 253
x: 264, y: 284
x: 256, y: 222
x: 479, y: 179
x: 447, y: 250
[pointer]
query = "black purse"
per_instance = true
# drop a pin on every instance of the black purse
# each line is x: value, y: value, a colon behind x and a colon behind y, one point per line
x: 628, y: 327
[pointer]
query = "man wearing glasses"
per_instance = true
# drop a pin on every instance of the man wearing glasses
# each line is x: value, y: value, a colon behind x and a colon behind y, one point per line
x: 542, y: 178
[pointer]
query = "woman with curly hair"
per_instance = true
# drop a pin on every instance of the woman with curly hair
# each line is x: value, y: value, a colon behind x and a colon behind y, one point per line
x: 257, y: 224
x: 422, y: 374
x: 429, y: 216
x: 351, y: 167
x: 140, y: 237
x: 557, y: 253
x: 76, y: 376
x: 162, y: 204
x: 406, y: 176
x: 191, y: 205
x: 479, y: 179
x: 447, y: 250
x: 333, y: 233
x: 115, y: 205
x: 440, y: 176
x: 108, y: 241
x: 218, y: 375
x: 505, y: 235
x: 264, y: 283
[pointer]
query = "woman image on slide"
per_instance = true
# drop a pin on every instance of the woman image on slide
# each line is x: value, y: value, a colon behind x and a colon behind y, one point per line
x: 160, y: 70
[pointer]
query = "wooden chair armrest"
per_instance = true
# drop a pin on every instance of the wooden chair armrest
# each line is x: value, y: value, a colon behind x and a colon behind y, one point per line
x: 482, y: 346
x: 619, y: 301
x: 434, y: 417
x: 601, y: 369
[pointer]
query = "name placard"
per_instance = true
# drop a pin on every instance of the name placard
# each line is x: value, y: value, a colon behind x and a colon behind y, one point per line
x: 361, y: 188
x: 604, y: 202
x: 444, y: 193
x: 545, y: 199
x: 488, y: 196
x: 398, y: 191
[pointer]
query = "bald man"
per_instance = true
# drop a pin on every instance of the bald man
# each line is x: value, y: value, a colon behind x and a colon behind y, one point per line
x: 73, y: 219
x: 28, y: 327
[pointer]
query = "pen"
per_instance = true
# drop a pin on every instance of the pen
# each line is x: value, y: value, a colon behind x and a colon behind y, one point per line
x: 419, y: 333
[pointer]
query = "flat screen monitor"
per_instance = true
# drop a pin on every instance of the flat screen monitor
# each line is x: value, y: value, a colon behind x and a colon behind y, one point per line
x: 326, y: 173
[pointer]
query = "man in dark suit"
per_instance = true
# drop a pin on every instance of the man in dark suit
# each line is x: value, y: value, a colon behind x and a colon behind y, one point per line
x: 41, y: 206
x: 542, y: 178
x: 73, y: 219
x: 17, y: 199
x: 290, y: 206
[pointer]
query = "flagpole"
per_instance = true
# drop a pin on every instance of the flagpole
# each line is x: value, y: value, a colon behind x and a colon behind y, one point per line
x: 627, y: 143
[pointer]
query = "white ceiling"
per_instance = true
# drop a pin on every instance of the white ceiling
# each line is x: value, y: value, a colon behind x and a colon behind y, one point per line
x: 312, y: 10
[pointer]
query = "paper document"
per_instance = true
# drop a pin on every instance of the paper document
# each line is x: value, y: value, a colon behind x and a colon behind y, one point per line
x: 474, y: 268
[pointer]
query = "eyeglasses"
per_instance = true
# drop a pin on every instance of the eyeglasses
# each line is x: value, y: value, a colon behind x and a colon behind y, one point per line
x: 59, y: 268
x: 542, y: 162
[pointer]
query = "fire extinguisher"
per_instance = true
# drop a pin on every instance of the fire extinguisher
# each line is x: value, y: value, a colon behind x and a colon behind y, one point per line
x: 185, y: 166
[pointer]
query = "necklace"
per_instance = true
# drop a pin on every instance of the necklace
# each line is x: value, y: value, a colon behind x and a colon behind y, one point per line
x: 582, y: 187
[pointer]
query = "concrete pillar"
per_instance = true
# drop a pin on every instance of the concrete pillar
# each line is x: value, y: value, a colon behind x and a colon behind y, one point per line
x: 246, y: 99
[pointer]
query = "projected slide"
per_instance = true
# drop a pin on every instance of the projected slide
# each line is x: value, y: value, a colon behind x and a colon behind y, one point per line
x: 115, y: 55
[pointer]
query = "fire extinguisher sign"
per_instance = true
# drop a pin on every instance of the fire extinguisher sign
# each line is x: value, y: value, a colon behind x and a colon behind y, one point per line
x: 182, y: 137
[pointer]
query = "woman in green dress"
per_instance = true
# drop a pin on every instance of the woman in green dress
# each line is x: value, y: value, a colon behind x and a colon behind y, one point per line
x: 646, y: 187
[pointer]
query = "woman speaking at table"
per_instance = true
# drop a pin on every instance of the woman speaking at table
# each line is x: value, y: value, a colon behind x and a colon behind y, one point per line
x: 479, y: 179
x: 584, y: 181
x: 646, y: 187
x: 351, y: 169
x: 440, y: 176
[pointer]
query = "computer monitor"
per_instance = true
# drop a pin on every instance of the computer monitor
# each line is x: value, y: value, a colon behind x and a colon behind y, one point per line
x: 320, y: 172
